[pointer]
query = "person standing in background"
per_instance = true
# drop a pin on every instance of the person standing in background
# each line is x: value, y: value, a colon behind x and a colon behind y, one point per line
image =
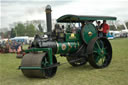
x: 105, y: 27
x: 99, y: 29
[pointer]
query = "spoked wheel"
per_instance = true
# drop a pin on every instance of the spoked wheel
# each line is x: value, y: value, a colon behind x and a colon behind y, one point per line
x: 38, y: 60
x: 76, y: 61
x: 99, y: 52
x: 50, y: 72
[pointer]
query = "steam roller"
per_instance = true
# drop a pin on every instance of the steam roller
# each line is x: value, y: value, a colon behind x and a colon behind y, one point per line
x: 79, y: 46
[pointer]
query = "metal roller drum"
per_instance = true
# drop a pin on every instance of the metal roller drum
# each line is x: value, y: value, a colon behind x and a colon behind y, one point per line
x: 36, y: 60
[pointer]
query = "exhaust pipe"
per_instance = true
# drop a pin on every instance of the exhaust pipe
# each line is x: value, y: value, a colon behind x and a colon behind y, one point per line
x: 48, y: 20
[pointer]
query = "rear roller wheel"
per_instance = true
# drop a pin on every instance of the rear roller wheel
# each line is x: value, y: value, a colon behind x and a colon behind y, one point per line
x: 99, y: 52
x: 38, y: 60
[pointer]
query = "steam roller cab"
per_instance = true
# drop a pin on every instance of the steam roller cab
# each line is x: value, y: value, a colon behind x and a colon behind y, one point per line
x: 79, y: 46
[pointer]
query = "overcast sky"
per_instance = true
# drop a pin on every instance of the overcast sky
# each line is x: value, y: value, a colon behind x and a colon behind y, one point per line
x: 22, y: 10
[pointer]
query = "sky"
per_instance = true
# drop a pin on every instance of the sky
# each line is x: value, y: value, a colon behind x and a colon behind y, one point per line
x: 23, y: 10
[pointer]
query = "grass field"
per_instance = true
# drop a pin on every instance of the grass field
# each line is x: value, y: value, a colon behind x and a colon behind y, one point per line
x: 115, y: 74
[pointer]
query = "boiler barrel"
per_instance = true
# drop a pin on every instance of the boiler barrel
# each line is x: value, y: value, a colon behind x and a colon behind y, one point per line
x: 67, y: 47
x: 59, y: 47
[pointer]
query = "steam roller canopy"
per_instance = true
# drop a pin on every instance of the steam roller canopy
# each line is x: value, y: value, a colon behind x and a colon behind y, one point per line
x: 88, y: 32
x: 32, y: 66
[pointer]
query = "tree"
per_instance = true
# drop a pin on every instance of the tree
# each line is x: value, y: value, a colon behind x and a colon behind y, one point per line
x: 112, y: 27
x: 30, y: 30
x: 13, y: 33
x: 5, y: 34
x: 120, y: 27
x: 126, y: 24
x: 20, y: 29
x: 40, y: 28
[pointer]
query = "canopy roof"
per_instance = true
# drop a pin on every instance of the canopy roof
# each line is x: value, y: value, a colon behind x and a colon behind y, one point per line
x: 82, y: 18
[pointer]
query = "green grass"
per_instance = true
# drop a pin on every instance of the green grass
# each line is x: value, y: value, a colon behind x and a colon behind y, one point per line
x: 115, y: 74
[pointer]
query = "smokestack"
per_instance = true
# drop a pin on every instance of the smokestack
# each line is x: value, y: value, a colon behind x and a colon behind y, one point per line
x: 48, y: 19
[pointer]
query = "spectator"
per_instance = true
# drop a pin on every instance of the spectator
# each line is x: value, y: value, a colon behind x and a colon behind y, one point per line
x: 68, y: 30
x: 99, y: 29
x: 83, y: 24
x: 105, y: 28
x: 62, y: 28
x: 74, y: 29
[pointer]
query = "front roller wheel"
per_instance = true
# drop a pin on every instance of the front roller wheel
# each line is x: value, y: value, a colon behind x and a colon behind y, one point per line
x: 38, y: 60
x: 99, y: 52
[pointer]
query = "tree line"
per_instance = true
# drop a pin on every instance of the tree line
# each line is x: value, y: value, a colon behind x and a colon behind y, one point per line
x: 28, y: 30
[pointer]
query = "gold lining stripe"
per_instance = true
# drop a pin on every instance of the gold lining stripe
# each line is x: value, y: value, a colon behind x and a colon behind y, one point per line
x: 69, y: 46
